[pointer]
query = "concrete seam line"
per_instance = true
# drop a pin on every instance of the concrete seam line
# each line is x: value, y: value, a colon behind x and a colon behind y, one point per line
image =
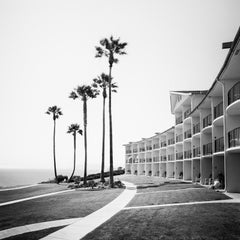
x: 17, y: 188
x: 34, y: 197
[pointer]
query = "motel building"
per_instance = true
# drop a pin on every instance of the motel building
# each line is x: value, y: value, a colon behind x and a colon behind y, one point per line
x: 204, y: 144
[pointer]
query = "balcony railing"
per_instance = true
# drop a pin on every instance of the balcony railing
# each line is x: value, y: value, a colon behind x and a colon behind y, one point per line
x: 187, y: 154
x: 171, y: 141
x: 234, y: 93
x: 155, y: 145
x: 163, y: 158
x: 135, y: 160
x: 170, y: 157
x: 196, y: 152
x: 135, y: 150
x: 186, y: 113
x: 218, y: 110
x: 207, y: 121
x: 187, y: 134
x: 141, y: 149
x: 156, y: 159
x: 219, y: 144
x: 179, y: 138
x: 234, y: 138
x: 207, y: 149
x: 179, y: 120
x: 149, y: 148
x: 179, y: 155
x: 163, y: 144
x: 148, y: 159
x: 142, y: 160
x: 196, y: 128
x: 128, y: 151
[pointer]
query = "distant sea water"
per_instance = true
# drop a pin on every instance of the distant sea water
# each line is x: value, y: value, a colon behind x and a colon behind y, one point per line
x: 19, y: 177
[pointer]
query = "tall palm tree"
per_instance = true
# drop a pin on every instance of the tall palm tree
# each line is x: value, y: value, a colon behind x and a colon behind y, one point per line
x: 84, y: 92
x: 102, y: 82
x: 56, y: 112
x: 109, y: 48
x: 74, y: 129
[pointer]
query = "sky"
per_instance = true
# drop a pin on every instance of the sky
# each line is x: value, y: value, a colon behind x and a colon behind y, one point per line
x: 47, y: 49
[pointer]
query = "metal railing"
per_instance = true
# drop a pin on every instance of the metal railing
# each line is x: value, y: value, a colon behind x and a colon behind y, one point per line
x: 179, y: 138
x: 207, y: 149
x: 234, y: 138
x: 207, y: 121
x: 187, y: 154
x: 234, y: 93
x: 196, y: 152
x: 187, y: 134
x: 196, y: 128
x: 179, y: 120
x: 218, y: 110
x: 186, y: 113
x: 171, y: 141
x: 219, y: 144
x: 179, y: 156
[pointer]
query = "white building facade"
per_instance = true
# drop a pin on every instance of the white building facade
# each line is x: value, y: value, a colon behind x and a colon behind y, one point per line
x: 204, y: 144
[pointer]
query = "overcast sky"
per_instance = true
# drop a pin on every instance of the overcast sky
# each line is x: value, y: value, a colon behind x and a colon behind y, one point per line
x: 47, y: 49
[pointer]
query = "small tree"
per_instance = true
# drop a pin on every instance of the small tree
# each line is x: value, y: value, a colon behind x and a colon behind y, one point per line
x: 74, y: 129
x: 102, y: 82
x: 84, y: 92
x: 109, y: 48
x: 56, y: 112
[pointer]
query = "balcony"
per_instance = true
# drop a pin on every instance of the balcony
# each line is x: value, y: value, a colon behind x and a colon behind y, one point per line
x: 128, y: 151
x: 234, y: 93
x: 142, y: 149
x: 142, y: 160
x: 156, y: 159
x: 179, y: 156
x: 171, y: 141
x: 135, y: 150
x: 196, y: 152
x: 207, y: 149
x: 170, y: 157
x: 234, y: 138
x: 207, y: 121
x: 187, y: 154
x: 186, y: 113
x: 179, y: 138
x: 135, y: 160
x: 149, y: 148
x: 129, y: 161
x: 187, y: 134
x: 196, y: 128
x: 148, y: 160
x: 179, y: 120
x: 156, y: 145
x: 163, y: 144
x: 218, y: 110
x: 219, y: 145
x: 163, y: 158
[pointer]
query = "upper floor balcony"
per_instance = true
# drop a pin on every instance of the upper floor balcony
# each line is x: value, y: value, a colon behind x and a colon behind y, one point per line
x: 163, y: 158
x: 234, y: 138
x: 186, y: 113
x: 187, y: 134
x: 163, y: 144
x: 135, y: 150
x: 207, y: 149
x: 196, y: 152
x: 142, y: 149
x: 187, y: 154
x: 156, y: 145
x: 196, y: 128
x: 219, y: 145
x: 179, y: 156
x: 171, y: 141
x: 218, y: 110
x: 179, y: 120
x: 148, y: 159
x: 156, y: 159
x: 149, y: 148
x: 179, y: 138
x: 207, y: 121
x: 141, y: 160
x: 234, y: 93
x: 128, y: 151
x: 171, y: 157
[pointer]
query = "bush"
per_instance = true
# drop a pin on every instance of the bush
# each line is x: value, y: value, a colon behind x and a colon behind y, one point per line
x: 61, y: 178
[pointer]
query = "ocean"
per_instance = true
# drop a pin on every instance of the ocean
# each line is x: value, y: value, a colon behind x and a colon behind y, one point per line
x: 19, y: 177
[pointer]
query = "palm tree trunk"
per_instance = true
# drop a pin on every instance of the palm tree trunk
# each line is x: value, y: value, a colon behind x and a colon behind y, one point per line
x: 74, y: 155
x: 85, y: 139
x: 110, y: 127
x: 54, y: 151
x: 103, y: 142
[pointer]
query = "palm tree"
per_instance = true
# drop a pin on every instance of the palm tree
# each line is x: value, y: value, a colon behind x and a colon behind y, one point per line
x: 74, y: 129
x: 109, y: 48
x: 84, y: 92
x: 102, y: 82
x: 56, y: 112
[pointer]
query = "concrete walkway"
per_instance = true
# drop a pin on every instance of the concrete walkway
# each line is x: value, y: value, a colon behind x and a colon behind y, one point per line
x: 36, y: 227
x: 87, y: 224
x: 35, y: 197
x: 17, y: 188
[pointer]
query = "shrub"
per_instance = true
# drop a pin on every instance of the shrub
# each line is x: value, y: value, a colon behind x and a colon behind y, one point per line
x: 61, y: 178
